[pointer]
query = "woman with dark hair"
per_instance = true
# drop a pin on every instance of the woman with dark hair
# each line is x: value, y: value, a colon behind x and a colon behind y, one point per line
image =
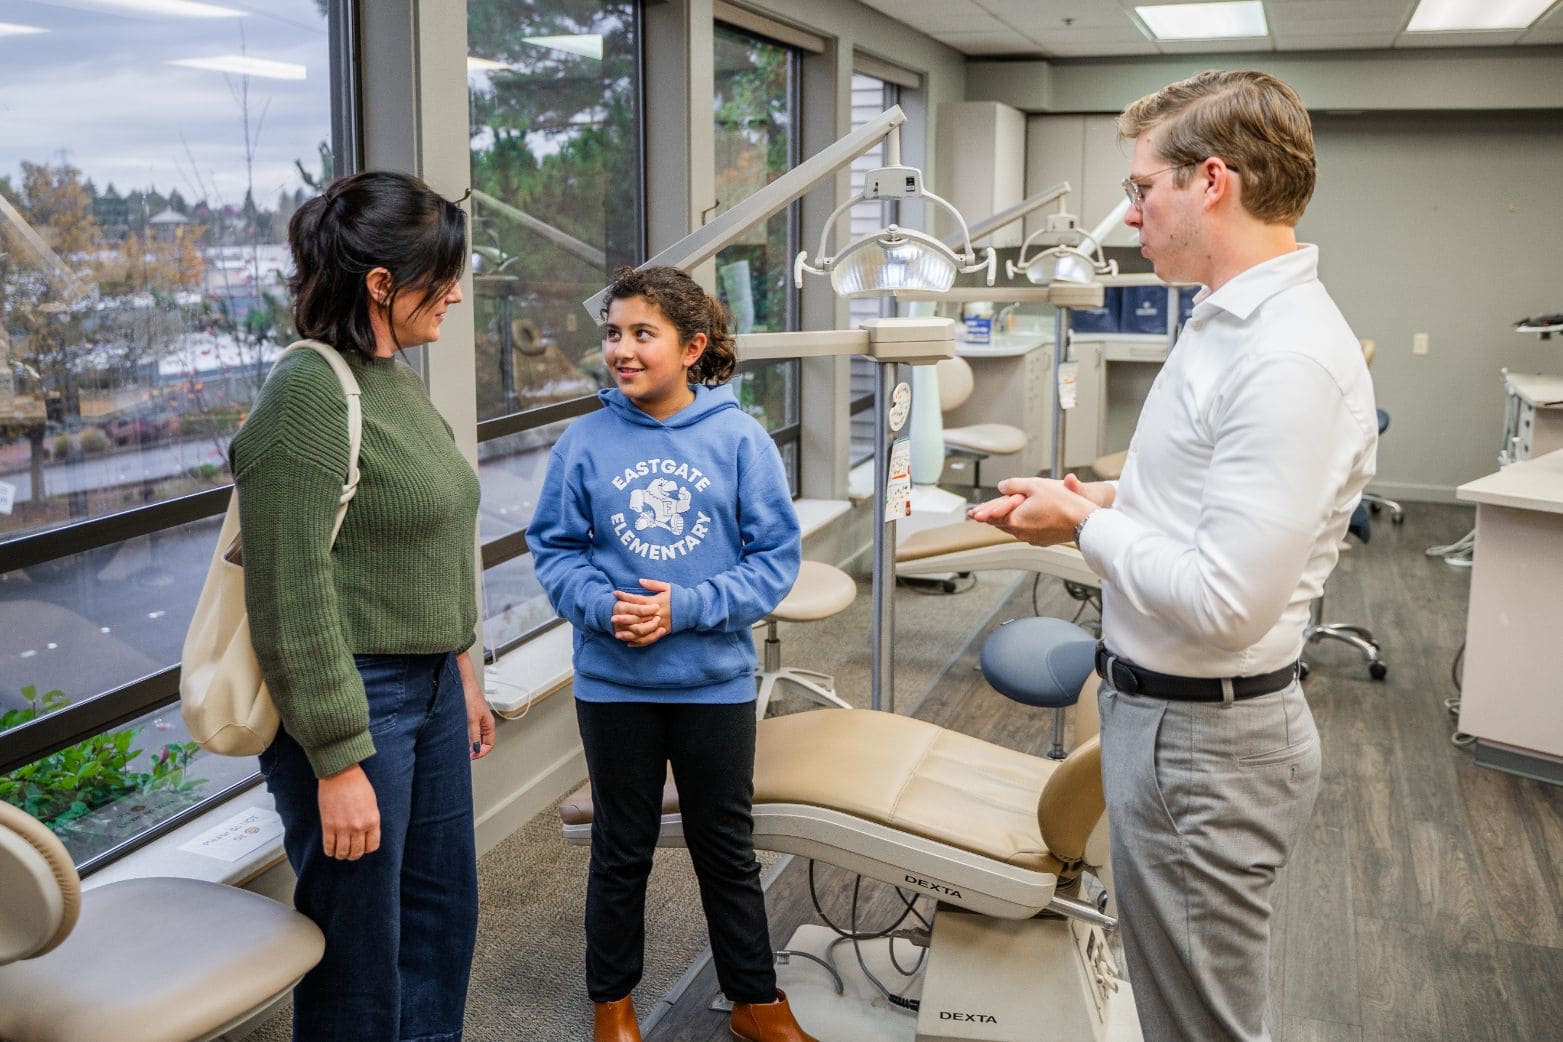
x: 364, y: 642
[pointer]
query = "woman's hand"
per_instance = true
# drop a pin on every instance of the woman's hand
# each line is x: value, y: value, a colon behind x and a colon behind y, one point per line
x: 480, y: 718
x: 349, y: 815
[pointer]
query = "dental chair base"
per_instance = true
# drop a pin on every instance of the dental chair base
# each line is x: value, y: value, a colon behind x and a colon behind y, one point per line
x: 1022, y: 980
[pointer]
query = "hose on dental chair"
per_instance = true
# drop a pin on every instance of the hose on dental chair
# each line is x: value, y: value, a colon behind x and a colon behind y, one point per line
x: 856, y: 936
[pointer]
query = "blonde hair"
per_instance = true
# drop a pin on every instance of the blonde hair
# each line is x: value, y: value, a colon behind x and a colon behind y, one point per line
x: 1250, y: 119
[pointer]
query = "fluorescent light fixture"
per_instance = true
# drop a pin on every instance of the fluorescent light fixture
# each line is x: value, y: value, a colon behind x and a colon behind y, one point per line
x: 1449, y: 16
x: 1225, y: 20
x: 587, y: 45
x: 12, y: 29
x: 151, y: 8
x: 244, y: 65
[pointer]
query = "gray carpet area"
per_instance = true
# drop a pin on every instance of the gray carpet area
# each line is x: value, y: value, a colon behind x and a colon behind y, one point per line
x: 526, y: 977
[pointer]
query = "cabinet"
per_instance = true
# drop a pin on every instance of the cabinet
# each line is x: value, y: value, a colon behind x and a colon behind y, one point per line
x: 980, y: 169
x: 1086, y: 152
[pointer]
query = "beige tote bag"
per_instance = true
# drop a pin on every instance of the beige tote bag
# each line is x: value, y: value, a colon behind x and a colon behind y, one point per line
x: 222, y: 695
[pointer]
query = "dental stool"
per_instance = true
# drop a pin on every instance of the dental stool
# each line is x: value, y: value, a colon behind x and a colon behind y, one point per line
x: 975, y: 441
x: 1110, y: 466
x: 1042, y: 662
x: 138, y: 960
x: 822, y: 590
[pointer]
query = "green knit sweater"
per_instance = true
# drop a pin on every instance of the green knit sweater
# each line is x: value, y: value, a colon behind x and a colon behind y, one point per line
x: 400, y: 578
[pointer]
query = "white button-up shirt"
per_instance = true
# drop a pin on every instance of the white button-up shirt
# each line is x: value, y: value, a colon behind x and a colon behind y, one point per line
x: 1251, y: 452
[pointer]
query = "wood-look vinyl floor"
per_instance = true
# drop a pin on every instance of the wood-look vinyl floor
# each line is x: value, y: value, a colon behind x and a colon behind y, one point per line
x: 1424, y: 902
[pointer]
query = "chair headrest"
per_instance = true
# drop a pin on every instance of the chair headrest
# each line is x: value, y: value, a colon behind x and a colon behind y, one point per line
x: 955, y: 382
x: 1072, y: 801
x: 40, y: 892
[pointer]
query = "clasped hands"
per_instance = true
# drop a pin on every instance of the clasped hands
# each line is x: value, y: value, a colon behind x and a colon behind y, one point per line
x: 1043, y: 511
x: 640, y: 619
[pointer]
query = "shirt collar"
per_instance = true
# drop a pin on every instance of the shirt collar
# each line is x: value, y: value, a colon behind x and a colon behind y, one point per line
x: 1244, y: 292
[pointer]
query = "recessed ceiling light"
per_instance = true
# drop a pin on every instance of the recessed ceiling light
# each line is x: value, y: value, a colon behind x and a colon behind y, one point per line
x: 12, y: 29
x: 151, y: 8
x: 1448, y: 16
x: 244, y: 65
x: 587, y: 45
x: 1225, y: 20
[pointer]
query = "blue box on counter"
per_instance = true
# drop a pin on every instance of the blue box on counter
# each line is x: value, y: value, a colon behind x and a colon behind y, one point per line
x: 1186, y: 303
x: 1098, y: 320
x: 1143, y: 309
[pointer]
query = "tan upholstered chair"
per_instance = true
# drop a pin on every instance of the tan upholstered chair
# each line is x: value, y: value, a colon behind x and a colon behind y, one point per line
x: 822, y: 590
x: 976, y: 441
x: 141, y: 960
x: 888, y: 796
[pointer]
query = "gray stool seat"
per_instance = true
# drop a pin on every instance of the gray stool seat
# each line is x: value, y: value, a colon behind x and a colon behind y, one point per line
x: 822, y: 590
x: 1040, y: 662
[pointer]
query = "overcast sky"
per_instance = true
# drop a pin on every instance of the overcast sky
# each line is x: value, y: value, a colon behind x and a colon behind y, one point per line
x: 96, y: 90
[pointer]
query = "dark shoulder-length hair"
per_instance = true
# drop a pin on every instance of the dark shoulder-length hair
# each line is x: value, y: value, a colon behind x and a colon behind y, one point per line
x: 374, y: 219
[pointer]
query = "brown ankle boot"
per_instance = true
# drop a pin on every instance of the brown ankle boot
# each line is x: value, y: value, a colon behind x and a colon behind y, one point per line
x: 615, y: 1021
x: 770, y: 1022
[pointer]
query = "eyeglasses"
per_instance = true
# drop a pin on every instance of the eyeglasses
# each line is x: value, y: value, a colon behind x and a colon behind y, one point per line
x: 1134, y: 189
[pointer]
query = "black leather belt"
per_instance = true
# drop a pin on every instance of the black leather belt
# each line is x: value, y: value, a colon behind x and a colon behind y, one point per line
x: 1125, y: 676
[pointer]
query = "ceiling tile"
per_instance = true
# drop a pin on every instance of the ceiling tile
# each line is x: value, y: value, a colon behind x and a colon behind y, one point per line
x: 1214, y: 46
x: 937, y: 17
x: 1483, y: 39
x: 1005, y: 42
x: 1051, y: 14
x: 1316, y: 38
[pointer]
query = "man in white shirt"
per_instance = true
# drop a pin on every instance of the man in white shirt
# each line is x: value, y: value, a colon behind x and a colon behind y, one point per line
x: 1251, y: 451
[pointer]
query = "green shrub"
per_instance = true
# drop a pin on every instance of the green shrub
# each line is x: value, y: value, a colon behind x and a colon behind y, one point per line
x: 62, y: 446
x: 92, y: 440
x: 88, y: 793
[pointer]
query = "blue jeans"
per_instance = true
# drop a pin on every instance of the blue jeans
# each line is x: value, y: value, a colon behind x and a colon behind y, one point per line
x: 400, y: 923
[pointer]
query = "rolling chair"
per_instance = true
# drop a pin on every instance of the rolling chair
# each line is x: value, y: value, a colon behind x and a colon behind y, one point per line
x: 1359, y: 637
x: 976, y: 441
x: 821, y: 591
x: 140, y: 960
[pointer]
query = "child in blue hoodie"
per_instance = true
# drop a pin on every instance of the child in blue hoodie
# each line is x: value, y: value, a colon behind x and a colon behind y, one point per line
x: 664, y: 532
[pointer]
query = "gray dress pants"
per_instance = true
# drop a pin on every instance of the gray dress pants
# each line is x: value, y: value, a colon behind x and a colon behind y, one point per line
x: 1205, y: 801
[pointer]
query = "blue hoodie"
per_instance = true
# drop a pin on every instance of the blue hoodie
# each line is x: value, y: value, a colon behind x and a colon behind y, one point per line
x: 699, y: 501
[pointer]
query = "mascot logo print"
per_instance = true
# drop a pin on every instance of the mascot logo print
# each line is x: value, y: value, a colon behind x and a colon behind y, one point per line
x: 662, y: 504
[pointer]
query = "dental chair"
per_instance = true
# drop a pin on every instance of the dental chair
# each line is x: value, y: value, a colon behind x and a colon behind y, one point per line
x: 999, y: 838
x: 140, y: 960
x: 971, y: 546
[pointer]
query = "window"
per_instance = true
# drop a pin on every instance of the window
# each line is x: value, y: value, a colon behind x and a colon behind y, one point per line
x: 756, y: 113
x: 554, y: 93
x: 870, y: 97
x: 147, y: 172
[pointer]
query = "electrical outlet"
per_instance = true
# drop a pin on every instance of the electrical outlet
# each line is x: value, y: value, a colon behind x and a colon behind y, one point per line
x: 1419, y: 343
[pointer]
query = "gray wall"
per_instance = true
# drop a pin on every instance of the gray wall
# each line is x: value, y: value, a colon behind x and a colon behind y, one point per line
x: 1449, y: 224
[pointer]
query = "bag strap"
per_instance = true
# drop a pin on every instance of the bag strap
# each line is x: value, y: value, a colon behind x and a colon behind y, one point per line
x: 355, y: 419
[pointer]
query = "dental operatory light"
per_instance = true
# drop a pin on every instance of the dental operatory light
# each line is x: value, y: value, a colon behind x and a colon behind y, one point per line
x: 1073, y: 256
x: 894, y: 258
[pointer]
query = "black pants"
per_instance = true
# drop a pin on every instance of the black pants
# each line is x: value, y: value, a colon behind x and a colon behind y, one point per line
x: 711, y: 747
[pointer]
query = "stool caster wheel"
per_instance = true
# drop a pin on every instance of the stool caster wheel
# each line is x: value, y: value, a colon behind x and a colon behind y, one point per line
x: 1303, y: 669
x: 1377, y: 670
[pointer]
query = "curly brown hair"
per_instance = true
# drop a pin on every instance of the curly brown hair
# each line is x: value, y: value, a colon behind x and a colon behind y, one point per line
x: 691, y: 310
